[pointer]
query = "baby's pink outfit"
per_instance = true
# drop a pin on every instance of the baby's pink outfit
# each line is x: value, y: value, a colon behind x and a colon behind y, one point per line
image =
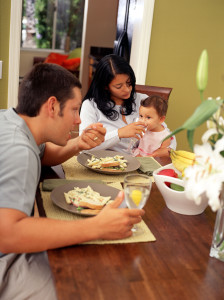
x: 150, y: 142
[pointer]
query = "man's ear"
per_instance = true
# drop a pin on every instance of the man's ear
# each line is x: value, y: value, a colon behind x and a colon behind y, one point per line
x: 51, y: 106
x: 162, y: 119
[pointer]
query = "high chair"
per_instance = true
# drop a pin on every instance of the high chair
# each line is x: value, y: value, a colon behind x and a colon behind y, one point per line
x: 163, y: 92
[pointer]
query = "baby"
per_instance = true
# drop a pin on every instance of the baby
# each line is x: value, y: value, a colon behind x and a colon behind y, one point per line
x: 152, y: 112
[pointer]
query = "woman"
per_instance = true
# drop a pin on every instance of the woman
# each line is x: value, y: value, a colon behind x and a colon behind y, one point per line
x: 112, y: 101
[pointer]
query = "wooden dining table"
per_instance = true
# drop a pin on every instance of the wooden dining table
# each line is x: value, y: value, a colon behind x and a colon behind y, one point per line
x: 175, y: 266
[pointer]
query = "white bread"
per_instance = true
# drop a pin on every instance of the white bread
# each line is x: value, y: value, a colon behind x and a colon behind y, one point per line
x: 91, y: 205
x: 110, y: 170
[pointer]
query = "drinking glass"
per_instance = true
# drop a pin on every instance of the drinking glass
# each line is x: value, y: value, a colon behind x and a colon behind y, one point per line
x: 132, y: 141
x: 137, y: 188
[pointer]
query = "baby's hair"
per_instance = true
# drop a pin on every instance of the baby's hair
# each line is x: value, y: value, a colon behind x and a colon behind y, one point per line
x: 157, y: 102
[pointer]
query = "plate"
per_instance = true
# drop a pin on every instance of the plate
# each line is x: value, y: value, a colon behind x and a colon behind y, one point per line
x: 132, y: 162
x: 58, y: 198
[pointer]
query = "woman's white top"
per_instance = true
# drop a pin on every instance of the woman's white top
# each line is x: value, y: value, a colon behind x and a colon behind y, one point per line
x: 91, y: 114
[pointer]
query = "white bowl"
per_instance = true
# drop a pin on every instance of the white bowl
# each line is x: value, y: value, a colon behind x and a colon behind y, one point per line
x: 177, y: 200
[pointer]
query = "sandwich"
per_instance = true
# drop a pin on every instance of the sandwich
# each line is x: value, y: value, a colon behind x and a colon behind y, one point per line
x: 113, y: 164
x: 86, y: 198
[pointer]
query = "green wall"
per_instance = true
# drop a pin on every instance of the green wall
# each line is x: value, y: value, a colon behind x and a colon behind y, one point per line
x: 4, y: 49
x: 181, y: 29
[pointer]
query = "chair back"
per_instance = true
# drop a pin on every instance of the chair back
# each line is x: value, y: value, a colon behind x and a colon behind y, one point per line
x: 163, y: 92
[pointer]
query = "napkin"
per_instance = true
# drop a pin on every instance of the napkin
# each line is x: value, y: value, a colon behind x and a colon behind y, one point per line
x: 148, y: 165
x: 49, y: 184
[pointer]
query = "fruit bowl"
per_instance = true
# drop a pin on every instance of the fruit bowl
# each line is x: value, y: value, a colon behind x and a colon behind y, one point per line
x: 177, y: 200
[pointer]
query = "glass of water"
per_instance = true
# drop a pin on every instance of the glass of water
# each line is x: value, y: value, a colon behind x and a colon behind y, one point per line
x: 133, y: 142
x: 137, y: 188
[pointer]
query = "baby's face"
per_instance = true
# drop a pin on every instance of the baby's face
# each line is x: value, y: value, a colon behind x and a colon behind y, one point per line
x: 149, y: 116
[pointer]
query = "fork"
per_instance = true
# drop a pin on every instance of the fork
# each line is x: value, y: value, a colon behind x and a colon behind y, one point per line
x: 87, y: 152
x: 74, y: 131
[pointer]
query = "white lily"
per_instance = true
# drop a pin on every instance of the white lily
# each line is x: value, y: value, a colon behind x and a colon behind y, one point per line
x: 206, y: 175
x: 208, y: 134
x: 210, y: 123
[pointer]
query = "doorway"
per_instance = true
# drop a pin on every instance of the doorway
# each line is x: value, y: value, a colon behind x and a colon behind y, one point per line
x: 139, y: 49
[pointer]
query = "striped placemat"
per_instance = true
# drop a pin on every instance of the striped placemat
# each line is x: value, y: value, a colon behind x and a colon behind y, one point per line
x: 54, y: 212
x: 74, y: 170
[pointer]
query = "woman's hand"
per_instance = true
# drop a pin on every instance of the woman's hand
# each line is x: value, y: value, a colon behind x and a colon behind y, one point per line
x: 91, y: 137
x: 116, y: 223
x: 136, y: 129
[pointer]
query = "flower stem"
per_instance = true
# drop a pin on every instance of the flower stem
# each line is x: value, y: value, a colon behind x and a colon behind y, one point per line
x: 201, y: 95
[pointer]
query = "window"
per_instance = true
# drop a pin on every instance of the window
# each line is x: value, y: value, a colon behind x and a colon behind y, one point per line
x: 52, y: 24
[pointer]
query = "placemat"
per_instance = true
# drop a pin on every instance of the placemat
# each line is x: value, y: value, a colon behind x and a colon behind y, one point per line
x: 74, y: 170
x: 54, y: 212
x: 49, y: 184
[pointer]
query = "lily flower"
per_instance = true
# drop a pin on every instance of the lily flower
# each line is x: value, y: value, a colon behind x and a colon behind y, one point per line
x: 206, y: 176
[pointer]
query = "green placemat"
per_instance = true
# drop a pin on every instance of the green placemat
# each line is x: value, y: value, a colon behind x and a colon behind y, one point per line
x: 73, y: 169
x: 54, y: 212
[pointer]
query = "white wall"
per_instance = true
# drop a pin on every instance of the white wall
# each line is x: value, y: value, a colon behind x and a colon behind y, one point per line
x: 100, y: 31
x: 26, y: 59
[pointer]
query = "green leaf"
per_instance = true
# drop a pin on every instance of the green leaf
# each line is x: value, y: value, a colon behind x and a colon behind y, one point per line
x: 173, y: 133
x: 190, y: 137
x: 202, y: 113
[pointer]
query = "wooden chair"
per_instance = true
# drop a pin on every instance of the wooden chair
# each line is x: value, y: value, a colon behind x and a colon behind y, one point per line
x: 163, y: 92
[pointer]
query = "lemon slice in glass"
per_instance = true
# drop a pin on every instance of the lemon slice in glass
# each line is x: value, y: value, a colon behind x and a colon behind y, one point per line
x: 136, y: 197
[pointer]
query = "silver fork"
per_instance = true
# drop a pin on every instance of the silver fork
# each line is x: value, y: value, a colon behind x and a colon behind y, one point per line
x: 74, y: 131
x: 87, y: 152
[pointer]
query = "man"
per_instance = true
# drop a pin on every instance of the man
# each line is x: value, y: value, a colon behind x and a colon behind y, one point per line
x: 40, y: 127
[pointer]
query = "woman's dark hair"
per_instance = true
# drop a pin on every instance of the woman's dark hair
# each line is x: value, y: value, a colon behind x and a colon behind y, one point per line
x: 157, y: 102
x: 43, y: 82
x: 106, y: 70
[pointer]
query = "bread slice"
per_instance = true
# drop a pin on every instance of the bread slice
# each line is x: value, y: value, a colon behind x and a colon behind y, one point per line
x: 110, y: 164
x: 89, y: 211
x: 110, y: 170
x: 91, y: 205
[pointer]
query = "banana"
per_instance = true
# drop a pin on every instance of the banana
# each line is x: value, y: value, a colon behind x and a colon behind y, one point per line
x: 183, y: 153
x: 182, y: 159
x: 179, y: 165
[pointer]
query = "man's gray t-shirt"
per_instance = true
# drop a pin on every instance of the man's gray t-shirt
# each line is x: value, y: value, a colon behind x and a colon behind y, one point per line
x: 20, y: 165
x: 22, y: 276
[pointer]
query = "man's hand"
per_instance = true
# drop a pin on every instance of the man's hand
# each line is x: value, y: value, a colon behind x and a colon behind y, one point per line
x: 91, y: 137
x: 116, y: 223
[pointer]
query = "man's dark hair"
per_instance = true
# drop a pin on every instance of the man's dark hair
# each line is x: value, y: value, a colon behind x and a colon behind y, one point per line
x: 160, y: 104
x: 43, y: 82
